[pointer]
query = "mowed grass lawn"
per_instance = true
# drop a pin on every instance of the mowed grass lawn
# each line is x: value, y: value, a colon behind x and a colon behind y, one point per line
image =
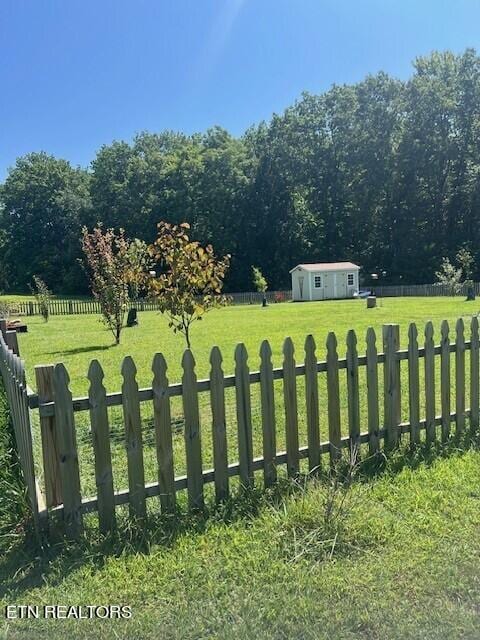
x: 392, y: 556
x: 402, y: 561
x: 76, y: 340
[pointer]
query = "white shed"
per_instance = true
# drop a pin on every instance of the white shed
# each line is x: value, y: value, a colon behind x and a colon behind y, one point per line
x: 324, y: 281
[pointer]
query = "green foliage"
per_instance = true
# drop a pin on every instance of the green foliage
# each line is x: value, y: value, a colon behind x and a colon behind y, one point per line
x: 43, y: 203
x: 259, y: 281
x: 139, y: 264
x: 382, y: 172
x: 465, y: 261
x: 451, y: 276
x: 191, y: 280
x: 456, y: 276
x: 42, y: 295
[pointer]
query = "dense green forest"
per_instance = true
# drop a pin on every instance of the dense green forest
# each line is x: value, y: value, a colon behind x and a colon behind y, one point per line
x: 385, y: 173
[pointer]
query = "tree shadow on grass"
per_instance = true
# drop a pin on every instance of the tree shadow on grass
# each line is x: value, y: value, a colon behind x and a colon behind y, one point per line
x: 30, y: 564
x: 71, y: 352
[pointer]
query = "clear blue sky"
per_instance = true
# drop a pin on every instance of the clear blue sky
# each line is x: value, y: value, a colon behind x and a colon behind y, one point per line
x: 75, y: 74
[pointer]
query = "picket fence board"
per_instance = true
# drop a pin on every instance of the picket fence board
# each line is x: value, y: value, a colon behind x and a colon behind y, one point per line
x: 219, y: 425
x: 290, y: 406
x: 267, y: 402
x: 163, y: 433
x: 133, y: 440
x: 460, y: 377
x: 101, y: 447
x: 312, y: 405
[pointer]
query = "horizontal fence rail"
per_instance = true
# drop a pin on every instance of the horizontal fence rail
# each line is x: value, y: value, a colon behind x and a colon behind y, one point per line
x: 291, y: 394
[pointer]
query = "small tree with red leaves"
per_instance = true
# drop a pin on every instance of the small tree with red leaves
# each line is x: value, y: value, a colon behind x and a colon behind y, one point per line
x: 191, y: 277
x: 109, y: 268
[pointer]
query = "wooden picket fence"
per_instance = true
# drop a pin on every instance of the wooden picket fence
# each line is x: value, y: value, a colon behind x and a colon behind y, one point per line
x: 422, y: 290
x: 57, y: 411
x: 63, y: 307
x: 60, y: 307
x: 19, y: 395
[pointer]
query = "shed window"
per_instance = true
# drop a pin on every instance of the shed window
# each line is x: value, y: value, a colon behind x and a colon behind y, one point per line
x: 350, y: 280
x: 318, y: 282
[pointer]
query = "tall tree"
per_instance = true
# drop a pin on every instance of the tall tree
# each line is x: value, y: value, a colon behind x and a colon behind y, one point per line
x: 44, y: 202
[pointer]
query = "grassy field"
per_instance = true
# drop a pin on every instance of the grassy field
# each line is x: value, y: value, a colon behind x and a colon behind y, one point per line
x: 75, y: 340
x: 393, y: 554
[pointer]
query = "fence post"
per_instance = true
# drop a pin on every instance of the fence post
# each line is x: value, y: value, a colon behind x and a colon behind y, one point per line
x: 12, y: 341
x: 3, y: 328
x: 391, y: 377
x: 67, y: 446
x: 50, y: 452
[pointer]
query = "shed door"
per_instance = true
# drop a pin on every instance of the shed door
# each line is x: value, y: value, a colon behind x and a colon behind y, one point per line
x: 341, y: 291
x: 329, y: 285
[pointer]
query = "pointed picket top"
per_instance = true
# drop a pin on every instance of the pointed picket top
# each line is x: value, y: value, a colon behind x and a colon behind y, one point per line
x: 95, y: 372
x: 371, y: 338
x: 95, y: 376
x: 445, y: 330
x: 265, y: 351
x: 216, y: 358
x: 460, y: 327
x: 241, y: 354
x: 352, y: 340
x: 429, y: 330
x: 129, y: 369
x: 159, y: 370
x: 310, y: 345
x: 61, y: 374
x: 412, y: 333
x: 331, y: 342
x: 288, y: 349
x: 188, y: 361
x: 474, y: 331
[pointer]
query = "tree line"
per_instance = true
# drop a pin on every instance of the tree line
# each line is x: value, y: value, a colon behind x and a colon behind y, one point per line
x: 385, y: 173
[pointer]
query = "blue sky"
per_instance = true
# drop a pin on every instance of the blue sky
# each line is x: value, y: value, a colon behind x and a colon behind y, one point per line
x: 76, y: 74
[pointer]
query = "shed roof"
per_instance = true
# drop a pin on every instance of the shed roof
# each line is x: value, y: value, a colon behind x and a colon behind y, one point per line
x: 326, y: 266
